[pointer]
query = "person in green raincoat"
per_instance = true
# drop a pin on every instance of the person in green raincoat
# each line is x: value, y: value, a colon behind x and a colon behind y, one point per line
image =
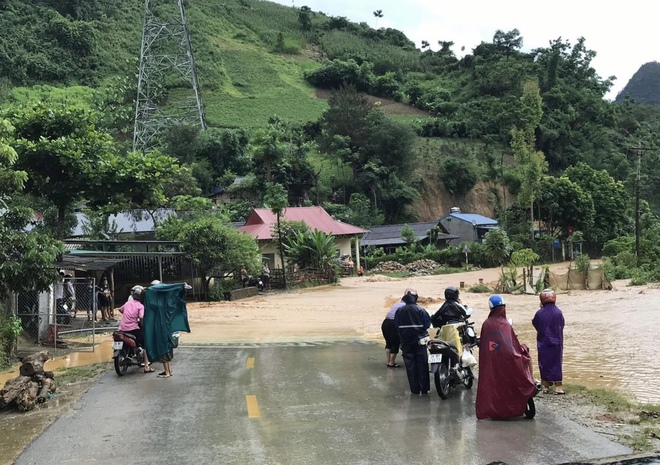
x: 165, y: 314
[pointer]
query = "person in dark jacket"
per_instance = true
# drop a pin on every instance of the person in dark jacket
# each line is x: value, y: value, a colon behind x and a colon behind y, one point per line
x: 412, y: 322
x: 450, y: 311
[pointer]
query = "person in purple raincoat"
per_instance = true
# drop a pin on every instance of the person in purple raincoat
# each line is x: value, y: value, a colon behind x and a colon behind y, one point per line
x: 549, y: 324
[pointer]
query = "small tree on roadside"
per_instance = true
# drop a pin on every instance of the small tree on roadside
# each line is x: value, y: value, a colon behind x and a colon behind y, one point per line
x: 525, y: 258
x: 215, y: 248
x: 498, y: 246
x: 276, y: 200
x: 408, y: 235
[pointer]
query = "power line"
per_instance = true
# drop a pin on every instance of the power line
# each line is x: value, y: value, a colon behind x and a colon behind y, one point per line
x: 166, y: 60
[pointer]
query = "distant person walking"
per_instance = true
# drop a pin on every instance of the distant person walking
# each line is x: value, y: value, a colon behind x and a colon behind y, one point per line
x: 104, y: 299
x: 244, y: 276
x: 549, y: 324
x: 351, y: 266
x: 265, y: 276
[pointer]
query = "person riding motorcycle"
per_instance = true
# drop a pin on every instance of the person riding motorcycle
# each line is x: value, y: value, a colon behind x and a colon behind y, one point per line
x: 451, y: 310
x: 131, y: 322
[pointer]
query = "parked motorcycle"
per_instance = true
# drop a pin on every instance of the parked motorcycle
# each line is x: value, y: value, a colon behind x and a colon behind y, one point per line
x: 255, y: 282
x: 450, y: 365
x: 126, y: 352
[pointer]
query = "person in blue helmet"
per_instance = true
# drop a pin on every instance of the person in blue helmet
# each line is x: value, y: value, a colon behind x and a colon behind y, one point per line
x: 412, y: 322
x: 505, y: 375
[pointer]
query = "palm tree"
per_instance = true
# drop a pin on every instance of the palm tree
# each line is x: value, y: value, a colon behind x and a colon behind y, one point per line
x: 378, y: 14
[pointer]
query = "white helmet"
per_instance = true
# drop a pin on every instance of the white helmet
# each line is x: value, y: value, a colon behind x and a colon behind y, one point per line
x: 136, y: 291
x: 154, y: 282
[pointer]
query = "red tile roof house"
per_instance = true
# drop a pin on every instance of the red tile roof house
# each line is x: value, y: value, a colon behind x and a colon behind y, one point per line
x: 262, y: 222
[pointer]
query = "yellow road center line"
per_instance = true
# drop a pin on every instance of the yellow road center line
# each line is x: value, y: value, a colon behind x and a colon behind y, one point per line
x: 252, y: 406
x: 250, y: 363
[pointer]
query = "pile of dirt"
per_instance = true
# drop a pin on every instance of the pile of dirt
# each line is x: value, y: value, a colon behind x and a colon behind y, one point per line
x: 420, y: 267
x: 389, y: 267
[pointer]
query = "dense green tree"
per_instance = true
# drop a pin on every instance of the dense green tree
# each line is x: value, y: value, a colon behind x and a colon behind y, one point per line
x: 26, y: 258
x: 610, y: 201
x: 280, y: 154
x: 224, y: 150
x: 530, y: 162
x: 378, y: 150
x: 214, y: 247
x: 69, y: 161
x: 305, y: 18
x: 409, y: 236
x: 64, y: 155
x: 564, y: 203
x: 498, y: 246
x: 459, y: 175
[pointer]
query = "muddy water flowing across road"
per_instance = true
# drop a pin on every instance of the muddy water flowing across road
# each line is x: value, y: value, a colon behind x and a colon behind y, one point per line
x: 611, y: 340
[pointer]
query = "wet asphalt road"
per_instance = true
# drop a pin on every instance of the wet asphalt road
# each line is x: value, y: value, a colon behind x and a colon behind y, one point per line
x: 324, y: 403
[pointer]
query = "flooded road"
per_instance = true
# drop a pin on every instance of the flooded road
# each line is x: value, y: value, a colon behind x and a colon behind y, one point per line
x: 611, y: 337
x: 304, y: 403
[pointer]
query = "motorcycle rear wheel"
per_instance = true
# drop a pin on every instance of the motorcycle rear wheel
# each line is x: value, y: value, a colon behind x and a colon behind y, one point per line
x: 530, y: 409
x: 121, y: 363
x: 468, y: 378
x: 442, y: 380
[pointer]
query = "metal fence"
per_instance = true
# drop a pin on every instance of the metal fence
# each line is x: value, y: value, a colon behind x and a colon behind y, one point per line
x: 65, y: 317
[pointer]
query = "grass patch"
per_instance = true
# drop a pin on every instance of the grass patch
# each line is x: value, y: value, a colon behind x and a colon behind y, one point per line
x: 76, y: 374
x: 643, y: 420
x: 449, y: 270
x: 613, y: 401
x: 480, y: 289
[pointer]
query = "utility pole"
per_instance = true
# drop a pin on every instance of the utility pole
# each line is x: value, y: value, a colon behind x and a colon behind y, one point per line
x: 166, y: 57
x: 638, y: 180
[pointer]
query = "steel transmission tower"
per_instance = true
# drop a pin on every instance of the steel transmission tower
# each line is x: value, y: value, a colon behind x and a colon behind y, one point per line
x: 166, y: 61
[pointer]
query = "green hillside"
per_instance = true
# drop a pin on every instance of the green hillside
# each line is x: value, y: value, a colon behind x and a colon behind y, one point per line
x: 644, y: 85
x: 243, y: 82
x: 458, y: 131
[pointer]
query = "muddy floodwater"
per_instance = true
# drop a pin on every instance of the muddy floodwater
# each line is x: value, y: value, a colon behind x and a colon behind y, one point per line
x: 611, y: 339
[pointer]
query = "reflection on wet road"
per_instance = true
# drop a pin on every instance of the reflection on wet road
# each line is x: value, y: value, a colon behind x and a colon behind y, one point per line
x: 294, y: 403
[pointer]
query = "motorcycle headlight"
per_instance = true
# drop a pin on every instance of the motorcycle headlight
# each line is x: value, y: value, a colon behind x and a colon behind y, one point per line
x: 470, y: 332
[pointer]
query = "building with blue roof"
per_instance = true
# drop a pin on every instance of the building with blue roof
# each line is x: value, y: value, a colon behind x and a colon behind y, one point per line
x: 468, y: 227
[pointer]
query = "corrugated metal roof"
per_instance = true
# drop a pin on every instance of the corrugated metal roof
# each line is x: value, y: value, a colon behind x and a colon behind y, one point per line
x: 473, y: 218
x: 260, y: 222
x: 391, y: 234
x: 126, y: 221
x: 81, y: 263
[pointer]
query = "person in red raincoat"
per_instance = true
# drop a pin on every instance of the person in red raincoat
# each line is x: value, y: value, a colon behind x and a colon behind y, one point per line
x: 505, y: 376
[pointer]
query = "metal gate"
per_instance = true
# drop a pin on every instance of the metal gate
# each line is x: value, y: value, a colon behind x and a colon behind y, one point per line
x: 64, y: 317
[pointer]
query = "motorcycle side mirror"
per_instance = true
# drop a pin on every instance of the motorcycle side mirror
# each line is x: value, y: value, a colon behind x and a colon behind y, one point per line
x: 510, y: 320
x: 469, y: 311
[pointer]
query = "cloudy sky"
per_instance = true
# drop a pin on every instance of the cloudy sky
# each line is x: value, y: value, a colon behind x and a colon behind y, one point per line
x: 624, y: 35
